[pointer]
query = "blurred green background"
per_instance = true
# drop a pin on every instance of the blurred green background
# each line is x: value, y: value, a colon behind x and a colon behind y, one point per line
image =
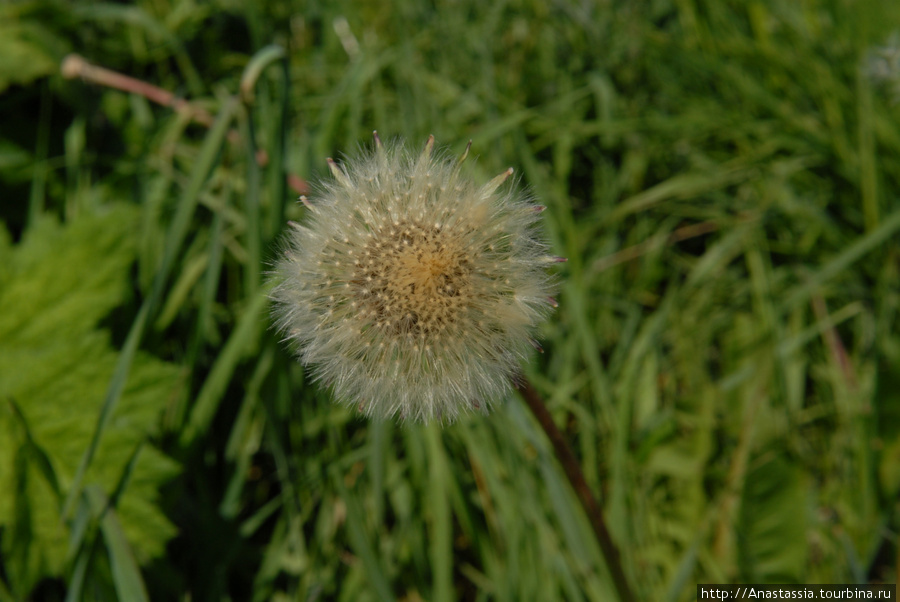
x: 723, y: 176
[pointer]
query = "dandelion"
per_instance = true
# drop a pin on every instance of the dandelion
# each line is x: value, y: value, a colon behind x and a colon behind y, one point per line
x: 411, y: 291
x: 883, y: 66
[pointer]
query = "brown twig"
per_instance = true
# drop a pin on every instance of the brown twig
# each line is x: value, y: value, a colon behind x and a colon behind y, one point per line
x: 656, y: 242
x: 75, y: 66
x: 834, y: 343
x: 635, y: 251
x: 573, y: 471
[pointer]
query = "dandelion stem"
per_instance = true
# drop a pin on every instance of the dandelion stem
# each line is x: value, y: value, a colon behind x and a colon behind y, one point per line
x: 573, y: 471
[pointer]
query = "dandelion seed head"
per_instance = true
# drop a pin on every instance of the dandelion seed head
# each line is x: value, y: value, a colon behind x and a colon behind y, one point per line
x: 410, y: 290
x: 883, y: 66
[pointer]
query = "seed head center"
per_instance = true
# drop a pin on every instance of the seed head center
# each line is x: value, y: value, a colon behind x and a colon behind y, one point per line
x: 416, y: 280
x: 423, y: 271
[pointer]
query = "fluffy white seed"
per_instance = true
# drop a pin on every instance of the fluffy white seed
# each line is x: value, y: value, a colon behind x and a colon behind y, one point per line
x: 435, y: 320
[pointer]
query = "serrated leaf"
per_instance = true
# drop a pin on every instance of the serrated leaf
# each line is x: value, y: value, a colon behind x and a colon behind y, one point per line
x: 22, y: 59
x: 56, y: 285
x: 771, y: 530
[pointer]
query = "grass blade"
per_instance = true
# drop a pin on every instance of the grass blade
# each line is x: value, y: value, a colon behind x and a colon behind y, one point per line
x: 256, y: 66
x: 238, y: 344
x: 359, y: 540
x: 126, y: 574
x: 441, y: 525
x: 844, y: 260
x: 177, y: 232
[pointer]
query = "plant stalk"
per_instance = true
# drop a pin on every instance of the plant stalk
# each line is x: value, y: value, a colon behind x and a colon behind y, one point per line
x: 576, y: 477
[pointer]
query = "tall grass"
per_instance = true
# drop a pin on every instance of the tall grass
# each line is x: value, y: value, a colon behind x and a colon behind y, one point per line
x: 722, y: 176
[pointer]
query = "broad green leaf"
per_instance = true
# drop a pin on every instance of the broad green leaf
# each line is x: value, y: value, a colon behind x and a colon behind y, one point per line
x: 22, y: 59
x: 772, y: 527
x: 57, y: 284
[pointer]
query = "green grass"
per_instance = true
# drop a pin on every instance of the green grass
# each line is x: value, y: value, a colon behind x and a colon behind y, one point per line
x: 723, y: 177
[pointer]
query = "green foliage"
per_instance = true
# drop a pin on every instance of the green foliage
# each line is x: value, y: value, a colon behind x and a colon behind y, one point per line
x: 772, y: 526
x: 722, y: 176
x: 26, y: 46
x: 57, y: 285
